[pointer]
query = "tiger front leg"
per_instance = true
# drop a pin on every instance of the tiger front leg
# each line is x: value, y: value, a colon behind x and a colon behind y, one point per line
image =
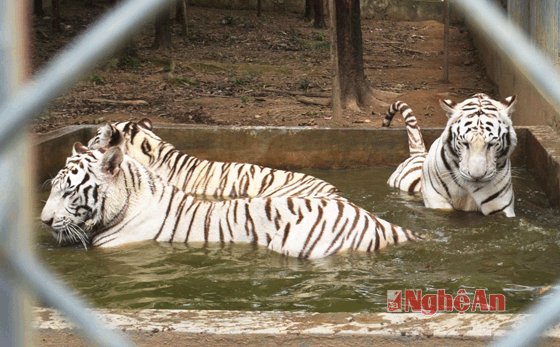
x: 432, y: 198
x: 492, y: 202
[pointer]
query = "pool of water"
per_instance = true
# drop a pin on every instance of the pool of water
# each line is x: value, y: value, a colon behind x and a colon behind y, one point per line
x: 511, y: 256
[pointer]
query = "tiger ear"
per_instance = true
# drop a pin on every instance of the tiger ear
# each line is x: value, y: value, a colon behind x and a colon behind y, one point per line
x: 114, y: 135
x: 108, y: 136
x: 111, y: 160
x: 448, y: 106
x: 78, y: 148
x: 508, y: 103
x: 145, y: 123
x: 107, y: 130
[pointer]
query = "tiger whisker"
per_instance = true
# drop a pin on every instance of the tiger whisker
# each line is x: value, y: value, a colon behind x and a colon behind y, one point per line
x: 454, y: 175
x: 78, y: 234
x: 40, y: 224
x: 83, y: 237
x: 48, y: 182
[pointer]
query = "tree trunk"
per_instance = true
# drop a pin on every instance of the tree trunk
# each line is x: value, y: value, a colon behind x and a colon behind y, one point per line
x: 259, y: 8
x: 319, y: 14
x: 181, y: 16
x: 38, y: 8
x: 446, y: 41
x: 351, y: 90
x: 56, y: 14
x: 335, y: 74
x: 162, y: 39
x: 308, y: 9
x: 129, y: 51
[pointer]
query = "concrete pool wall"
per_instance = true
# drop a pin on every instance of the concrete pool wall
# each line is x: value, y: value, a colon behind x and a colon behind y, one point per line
x: 296, y: 148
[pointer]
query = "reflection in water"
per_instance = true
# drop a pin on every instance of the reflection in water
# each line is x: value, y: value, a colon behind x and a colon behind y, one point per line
x: 511, y: 256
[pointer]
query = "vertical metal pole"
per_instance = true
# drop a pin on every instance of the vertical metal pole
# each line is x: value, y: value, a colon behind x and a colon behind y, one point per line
x: 446, y: 20
x: 19, y: 270
x: 15, y: 180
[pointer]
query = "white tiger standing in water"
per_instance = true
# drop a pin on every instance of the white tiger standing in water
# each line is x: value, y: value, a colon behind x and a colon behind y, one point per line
x: 468, y: 167
x: 206, y: 178
x: 106, y: 199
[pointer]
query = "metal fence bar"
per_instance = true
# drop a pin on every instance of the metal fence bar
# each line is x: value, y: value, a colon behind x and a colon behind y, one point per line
x: 493, y: 23
x: 32, y: 274
x: 97, y: 44
x: 20, y: 269
x: 543, y: 314
x: 15, y: 212
x: 15, y: 207
x: 514, y: 44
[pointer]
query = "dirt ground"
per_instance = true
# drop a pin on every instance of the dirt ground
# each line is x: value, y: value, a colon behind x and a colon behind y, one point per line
x: 235, y: 68
x: 46, y: 338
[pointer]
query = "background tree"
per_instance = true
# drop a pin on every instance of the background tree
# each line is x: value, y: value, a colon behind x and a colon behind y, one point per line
x: 351, y: 90
x: 162, y: 39
x: 38, y: 8
x: 315, y: 8
x: 55, y: 4
x: 259, y: 8
x: 308, y: 9
x: 319, y: 14
x: 181, y: 16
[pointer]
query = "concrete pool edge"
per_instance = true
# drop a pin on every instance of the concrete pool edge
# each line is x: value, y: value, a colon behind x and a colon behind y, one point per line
x: 543, y: 160
x: 326, y: 325
x: 295, y: 148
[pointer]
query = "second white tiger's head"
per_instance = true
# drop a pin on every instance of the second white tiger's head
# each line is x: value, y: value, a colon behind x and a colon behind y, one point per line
x: 134, y: 138
x: 79, y: 192
x: 479, y: 136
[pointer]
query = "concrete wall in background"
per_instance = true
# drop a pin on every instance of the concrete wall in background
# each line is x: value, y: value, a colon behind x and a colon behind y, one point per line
x: 408, y: 10
x: 539, y: 19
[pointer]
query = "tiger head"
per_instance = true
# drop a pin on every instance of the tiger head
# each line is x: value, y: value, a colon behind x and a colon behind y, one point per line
x: 135, y: 139
x: 480, y: 136
x: 78, y: 194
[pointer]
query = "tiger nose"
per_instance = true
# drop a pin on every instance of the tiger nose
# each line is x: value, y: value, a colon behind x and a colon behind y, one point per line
x: 477, y: 175
x: 48, y: 221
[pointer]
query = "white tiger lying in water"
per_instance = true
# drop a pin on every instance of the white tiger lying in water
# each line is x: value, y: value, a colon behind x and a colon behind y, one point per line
x: 468, y: 167
x: 109, y: 199
x: 205, y: 178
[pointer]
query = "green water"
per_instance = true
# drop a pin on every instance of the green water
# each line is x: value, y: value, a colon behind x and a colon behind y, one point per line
x: 511, y: 256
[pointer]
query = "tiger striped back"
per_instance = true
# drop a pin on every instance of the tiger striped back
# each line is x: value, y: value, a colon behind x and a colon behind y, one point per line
x: 127, y: 203
x: 408, y: 174
x: 205, y: 178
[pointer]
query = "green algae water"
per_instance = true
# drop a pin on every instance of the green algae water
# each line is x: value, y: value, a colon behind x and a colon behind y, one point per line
x: 463, y: 250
